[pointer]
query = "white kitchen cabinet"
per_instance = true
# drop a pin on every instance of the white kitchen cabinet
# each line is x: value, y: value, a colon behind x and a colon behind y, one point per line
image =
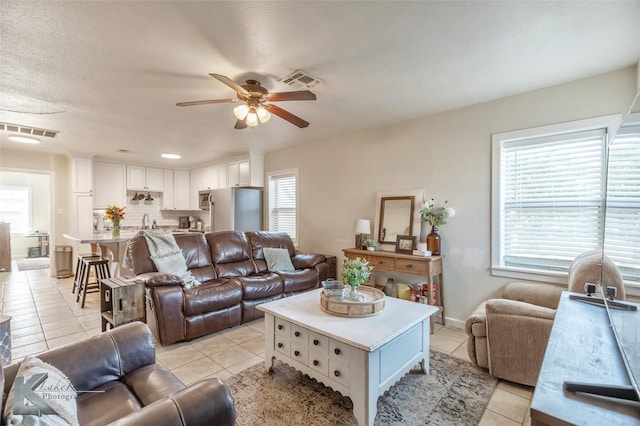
x: 244, y: 173
x: 176, y: 190
x: 222, y: 175
x: 181, y: 190
x: 232, y: 173
x: 246, y: 170
x: 145, y: 179
x: 81, y: 174
x: 168, y: 194
x: 210, y: 177
x: 109, y: 186
x: 195, y: 185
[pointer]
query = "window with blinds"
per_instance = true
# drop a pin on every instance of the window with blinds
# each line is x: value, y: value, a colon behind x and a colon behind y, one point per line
x: 283, y: 203
x: 622, y: 219
x: 549, y: 191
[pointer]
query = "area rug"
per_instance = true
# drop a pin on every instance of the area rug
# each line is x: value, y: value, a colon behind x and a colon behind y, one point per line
x: 33, y: 263
x: 453, y: 393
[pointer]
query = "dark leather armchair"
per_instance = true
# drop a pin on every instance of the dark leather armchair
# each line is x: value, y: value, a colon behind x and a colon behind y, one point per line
x: 128, y: 387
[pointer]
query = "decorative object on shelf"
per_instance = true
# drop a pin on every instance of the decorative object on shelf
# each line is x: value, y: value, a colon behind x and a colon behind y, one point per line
x: 115, y: 214
x: 372, y: 245
x: 435, y: 216
x: 390, y: 288
x: 433, y: 241
x: 405, y: 244
x: 355, y: 272
x: 362, y: 230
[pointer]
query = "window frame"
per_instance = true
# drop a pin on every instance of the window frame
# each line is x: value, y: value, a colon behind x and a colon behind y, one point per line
x: 498, y: 268
x: 271, y: 199
x: 29, y: 215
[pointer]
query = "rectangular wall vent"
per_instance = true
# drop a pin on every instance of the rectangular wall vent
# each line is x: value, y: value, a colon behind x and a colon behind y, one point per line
x: 27, y: 130
x: 300, y: 80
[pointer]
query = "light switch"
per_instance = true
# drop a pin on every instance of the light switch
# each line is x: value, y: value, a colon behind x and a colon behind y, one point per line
x: 60, y: 211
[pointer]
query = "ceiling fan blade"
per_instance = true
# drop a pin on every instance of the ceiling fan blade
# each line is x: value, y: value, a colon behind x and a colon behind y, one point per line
x: 286, y: 115
x: 300, y: 95
x: 226, y: 80
x: 240, y: 124
x: 213, y: 101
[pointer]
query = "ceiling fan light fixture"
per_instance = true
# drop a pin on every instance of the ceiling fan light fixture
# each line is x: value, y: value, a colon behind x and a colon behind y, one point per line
x: 241, y: 111
x: 263, y: 114
x: 252, y: 118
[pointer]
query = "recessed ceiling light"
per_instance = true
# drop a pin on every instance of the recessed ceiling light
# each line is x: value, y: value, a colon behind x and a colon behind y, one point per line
x: 24, y: 139
x: 171, y: 156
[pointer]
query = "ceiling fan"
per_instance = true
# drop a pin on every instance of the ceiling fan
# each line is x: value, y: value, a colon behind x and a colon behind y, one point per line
x: 254, y: 108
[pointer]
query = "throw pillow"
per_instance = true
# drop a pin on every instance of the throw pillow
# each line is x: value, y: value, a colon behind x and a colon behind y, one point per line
x: 278, y: 259
x: 49, y: 392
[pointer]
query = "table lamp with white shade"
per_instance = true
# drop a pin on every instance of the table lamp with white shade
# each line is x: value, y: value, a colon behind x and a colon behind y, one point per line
x: 362, y: 229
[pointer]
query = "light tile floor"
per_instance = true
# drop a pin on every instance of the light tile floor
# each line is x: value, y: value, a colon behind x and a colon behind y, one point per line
x: 45, y: 315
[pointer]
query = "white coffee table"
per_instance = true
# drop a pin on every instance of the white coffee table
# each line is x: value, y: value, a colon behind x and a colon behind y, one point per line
x: 359, y: 357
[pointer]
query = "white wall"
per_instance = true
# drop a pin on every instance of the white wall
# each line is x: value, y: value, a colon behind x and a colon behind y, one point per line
x: 447, y: 154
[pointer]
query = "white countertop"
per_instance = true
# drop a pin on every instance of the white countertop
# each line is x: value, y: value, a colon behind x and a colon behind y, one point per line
x: 104, y: 237
x: 367, y: 333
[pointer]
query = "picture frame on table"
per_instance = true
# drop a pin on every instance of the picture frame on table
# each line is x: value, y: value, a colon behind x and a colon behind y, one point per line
x: 405, y: 244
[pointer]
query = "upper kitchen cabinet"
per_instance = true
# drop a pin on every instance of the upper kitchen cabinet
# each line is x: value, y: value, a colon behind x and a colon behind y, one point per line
x: 81, y: 174
x: 247, y: 170
x: 145, y: 179
x: 195, y: 177
x: 176, y: 190
x: 210, y: 177
x: 109, y: 187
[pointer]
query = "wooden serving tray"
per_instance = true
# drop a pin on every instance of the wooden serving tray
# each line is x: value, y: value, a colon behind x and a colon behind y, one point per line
x: 372, y: 304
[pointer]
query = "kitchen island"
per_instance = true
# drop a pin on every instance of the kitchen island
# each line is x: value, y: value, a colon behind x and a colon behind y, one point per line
x: 110, y: 247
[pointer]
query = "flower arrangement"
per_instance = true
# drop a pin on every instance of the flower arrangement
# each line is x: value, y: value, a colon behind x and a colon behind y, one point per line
x: 355, y: 272
x: 372, y: 244
x: 434, y: 215
x: 114, y: 213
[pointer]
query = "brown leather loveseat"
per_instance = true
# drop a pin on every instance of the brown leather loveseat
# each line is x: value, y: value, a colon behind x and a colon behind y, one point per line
x: 116, y: 381
x: 234, y: 277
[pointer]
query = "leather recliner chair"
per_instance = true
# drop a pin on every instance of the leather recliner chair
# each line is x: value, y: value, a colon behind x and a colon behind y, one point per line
x: 128, y: 387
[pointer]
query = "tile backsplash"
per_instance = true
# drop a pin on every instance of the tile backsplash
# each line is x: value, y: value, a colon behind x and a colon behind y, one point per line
x: 135, y: 210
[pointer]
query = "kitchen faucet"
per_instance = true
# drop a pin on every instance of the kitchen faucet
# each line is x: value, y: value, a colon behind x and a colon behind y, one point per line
x: 145, y: 221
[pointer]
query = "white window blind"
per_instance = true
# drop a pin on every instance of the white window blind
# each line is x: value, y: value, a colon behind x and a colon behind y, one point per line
x: 622, y: 230
x: 283, y: 217
x: 553, y: 198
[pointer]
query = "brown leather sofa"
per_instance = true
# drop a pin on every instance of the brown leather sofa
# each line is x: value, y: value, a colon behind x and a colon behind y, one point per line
x: 234, y: 277
x: 128, y: 387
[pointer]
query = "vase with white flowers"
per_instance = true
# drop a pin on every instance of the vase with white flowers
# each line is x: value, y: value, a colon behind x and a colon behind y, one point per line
x: 435, y: 216
x: 354, y: 273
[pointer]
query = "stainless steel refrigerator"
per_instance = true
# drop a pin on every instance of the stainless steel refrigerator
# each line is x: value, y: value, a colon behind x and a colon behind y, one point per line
x: 237, y: 209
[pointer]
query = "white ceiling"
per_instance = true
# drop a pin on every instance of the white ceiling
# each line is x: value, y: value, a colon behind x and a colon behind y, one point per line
x: 107, y: 75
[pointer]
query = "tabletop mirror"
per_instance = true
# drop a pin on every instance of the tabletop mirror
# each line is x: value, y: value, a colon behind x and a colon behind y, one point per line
x: 396, y: 218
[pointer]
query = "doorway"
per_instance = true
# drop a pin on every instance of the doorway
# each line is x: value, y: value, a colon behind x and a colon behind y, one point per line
x: 25, y: 204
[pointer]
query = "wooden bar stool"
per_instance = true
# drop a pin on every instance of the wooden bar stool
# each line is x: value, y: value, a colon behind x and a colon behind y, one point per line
x: 101, y: 267
x: 77, y: 280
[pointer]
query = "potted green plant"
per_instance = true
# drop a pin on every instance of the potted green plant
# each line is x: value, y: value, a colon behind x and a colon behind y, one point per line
x: 355, y: 272
x: 372, y: 245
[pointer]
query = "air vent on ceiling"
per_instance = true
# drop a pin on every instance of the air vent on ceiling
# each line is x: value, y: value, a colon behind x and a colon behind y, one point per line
x: 300, y: 80
x: 26, y: 130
